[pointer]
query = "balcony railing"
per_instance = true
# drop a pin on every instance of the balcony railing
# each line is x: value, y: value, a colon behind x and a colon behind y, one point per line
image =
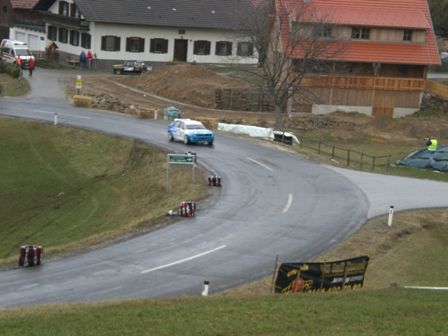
x: 365, y: 82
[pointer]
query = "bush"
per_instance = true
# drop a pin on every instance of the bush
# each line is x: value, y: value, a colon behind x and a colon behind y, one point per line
x: 10, y: 69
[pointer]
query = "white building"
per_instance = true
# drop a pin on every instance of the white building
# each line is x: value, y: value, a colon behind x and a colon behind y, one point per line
x: 202, y: 31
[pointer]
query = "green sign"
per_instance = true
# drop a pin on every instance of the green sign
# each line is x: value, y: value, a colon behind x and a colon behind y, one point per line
x: 181, y: 159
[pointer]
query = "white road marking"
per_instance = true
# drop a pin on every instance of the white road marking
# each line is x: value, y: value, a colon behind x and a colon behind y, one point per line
x: 424, y: 287
x: 288, y: 203
x: 30, y: 286
x: 183, y: 260
x: 260, y: 164
x: 63, y: 114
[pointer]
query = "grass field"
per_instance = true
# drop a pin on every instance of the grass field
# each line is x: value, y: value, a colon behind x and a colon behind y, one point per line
x: 68, y: 189
x: 380, y: 312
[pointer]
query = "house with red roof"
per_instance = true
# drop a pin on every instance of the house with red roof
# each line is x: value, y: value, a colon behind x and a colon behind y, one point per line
x: 18, y: 21
x: 382, y: 51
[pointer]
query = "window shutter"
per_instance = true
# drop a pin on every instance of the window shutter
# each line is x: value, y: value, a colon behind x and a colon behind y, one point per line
x: 103, y: 42
x: 117, y: 43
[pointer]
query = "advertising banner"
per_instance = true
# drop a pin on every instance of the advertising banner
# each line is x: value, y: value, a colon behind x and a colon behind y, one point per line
x: 304, y: 277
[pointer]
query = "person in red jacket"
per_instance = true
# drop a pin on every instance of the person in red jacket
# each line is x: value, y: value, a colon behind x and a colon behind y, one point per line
x: 89, y: 59
x: 31, y: 65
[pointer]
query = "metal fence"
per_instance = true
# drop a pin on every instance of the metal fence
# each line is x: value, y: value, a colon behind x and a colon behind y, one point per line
x: 349, y: 157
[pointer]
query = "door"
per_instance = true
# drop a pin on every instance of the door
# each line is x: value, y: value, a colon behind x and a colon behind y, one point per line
x: 180, y: 50
x: 33, y: 42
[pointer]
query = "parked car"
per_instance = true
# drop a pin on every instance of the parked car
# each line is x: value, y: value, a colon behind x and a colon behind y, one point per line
x: 131, y: 67
x: 190, y: 132
x: 444, y: 56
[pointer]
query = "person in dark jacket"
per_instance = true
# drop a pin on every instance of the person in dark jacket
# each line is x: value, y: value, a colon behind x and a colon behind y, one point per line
x: 82, y: 59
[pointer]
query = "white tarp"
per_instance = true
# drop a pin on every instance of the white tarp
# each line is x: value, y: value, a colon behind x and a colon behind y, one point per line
x: 253, y: 131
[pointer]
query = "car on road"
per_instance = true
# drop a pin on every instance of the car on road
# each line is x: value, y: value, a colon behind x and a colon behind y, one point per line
x: 190, y: 132
x: 131, y: 67
x: 444, y: 56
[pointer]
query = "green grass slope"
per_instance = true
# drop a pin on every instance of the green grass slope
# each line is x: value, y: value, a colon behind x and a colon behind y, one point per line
x: 66, y: 188
x: 383, y: 312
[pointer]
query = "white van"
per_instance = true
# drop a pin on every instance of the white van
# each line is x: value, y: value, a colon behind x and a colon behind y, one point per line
x: 10, y: 49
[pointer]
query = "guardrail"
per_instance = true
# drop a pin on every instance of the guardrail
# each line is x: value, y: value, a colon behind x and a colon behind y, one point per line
x: 349, y: 157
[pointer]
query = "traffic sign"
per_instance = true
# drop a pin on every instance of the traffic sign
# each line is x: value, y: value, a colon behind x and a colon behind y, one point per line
x: 186, y: 159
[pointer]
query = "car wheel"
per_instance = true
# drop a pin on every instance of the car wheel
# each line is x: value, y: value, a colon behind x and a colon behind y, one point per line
x: 170, y: 136
x: 210, y: 143
x: 186, y: 140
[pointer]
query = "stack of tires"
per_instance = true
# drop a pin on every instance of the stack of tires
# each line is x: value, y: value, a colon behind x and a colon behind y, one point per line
x: 30, y: 255
x: 187, y: 209
x: 214, y: 181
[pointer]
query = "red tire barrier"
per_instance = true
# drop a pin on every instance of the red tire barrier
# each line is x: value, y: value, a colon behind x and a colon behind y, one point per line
x: 30, y: 255
x: 187, y: 209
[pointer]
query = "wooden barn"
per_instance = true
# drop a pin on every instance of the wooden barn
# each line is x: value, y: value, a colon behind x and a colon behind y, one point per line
x: 383, y: 50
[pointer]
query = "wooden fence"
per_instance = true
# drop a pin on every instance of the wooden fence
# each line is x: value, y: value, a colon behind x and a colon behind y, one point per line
x: 437, y: 89
x: 349, y: 157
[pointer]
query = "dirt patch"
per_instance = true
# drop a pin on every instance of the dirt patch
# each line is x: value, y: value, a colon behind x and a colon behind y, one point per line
x: 194, y: 84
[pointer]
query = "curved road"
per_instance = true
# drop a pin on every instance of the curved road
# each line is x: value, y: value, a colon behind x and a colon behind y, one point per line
x: 272, y: 202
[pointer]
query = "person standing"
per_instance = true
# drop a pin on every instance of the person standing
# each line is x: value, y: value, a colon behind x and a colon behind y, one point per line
x: 31, y: 65
x: 18, y: 62
x: 89, y: 59
x: 431, y: 144
x: 82, y: 59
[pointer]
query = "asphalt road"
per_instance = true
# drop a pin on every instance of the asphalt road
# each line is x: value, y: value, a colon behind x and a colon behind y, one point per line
x: 272, y: 203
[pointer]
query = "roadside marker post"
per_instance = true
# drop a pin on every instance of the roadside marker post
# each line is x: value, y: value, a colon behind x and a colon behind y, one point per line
x: 55, y: 119
x: 205, y: 288
x: 391, y: 216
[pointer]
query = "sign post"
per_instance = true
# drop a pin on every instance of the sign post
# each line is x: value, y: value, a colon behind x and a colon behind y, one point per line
x: 78, y: 83
x: 180, y: 159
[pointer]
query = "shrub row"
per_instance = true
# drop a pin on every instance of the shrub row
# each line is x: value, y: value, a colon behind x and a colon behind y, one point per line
x: 10, y: 69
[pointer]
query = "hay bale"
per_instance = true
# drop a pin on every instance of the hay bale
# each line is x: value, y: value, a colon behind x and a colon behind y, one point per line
x: 210, y: 123
x: 82, y: 101
x: 148, y: 113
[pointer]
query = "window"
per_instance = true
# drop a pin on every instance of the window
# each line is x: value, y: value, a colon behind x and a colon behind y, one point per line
x: 52, y: 33
x: 322, y: 31
x: 245, y: 49
x: 181, y: 31
x: 407, y: 35
x: 360, y: 33
x: 201, y: 48
x: 135, y: 44
x: 74, y: 38
x: 223, y: 48
x: 74, y: 11
x: 159, y: 46
x: 63, y: 35
x: 63, y: 8
x: 110, y: 43
x: 85, y: 40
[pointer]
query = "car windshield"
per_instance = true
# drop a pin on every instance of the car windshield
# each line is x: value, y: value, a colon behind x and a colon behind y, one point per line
x: 195, y: 126
x: 23, y: 52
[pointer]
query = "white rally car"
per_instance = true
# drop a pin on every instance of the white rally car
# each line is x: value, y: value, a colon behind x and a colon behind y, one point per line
x: 190, y: 131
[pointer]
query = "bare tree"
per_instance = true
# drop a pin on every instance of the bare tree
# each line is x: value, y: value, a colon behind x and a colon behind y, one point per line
x: 292, y: 39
